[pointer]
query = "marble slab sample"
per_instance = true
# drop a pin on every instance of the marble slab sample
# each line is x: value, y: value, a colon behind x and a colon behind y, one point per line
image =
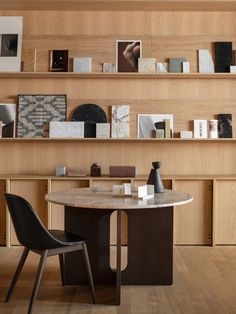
x: 223, y: 56
x: 66, y: 129
x: 120, y: 121
x: 176, y: 65
x: 200, y: 128
x: 147, y: 65
x: 103, y: 130
x: 162, y: 67
x: 225, y: 125
x: 205, y: 62
x: 82, y: 65
x: 109, y: 67
x: 233, y: 69
x: 213, y: 128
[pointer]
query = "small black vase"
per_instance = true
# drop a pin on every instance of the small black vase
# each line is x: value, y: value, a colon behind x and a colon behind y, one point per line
x: 155, y: 178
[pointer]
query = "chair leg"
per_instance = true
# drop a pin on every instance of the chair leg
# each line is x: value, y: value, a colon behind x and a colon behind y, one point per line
x: 62, y: 267
x: 17, y: 273
x: 37, y: 279
x: 90, y: 277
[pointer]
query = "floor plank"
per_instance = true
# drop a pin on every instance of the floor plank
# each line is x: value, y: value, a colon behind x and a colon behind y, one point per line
x: 204, y: 283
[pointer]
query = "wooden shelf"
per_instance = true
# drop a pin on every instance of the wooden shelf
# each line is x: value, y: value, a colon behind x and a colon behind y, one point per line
x: 120, y: 5
x: 118, y: 140
x: 100, y: 75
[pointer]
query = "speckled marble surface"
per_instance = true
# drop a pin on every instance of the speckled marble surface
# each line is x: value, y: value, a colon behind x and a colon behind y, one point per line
x: 103, y: 198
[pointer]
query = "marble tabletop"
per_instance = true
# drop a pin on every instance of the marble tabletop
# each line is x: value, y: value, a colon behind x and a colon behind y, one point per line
x: 103, y: 198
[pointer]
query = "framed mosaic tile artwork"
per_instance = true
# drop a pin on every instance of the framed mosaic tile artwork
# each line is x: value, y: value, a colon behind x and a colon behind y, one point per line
x: 36, y: 111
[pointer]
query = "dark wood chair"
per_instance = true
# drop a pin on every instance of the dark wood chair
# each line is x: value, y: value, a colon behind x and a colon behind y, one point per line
x: 32, y: 234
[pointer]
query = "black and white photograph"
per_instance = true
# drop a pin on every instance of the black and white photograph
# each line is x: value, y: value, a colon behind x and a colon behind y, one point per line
x: 8, y: 45
x: 7, y: 119
x: 127, y: 54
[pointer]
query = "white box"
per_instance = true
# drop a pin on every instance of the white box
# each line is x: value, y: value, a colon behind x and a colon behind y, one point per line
x: 147, y: 65
x: 162, y: 67
x: 186, y: 134
x: 200, y: 128
x: 127, y: 188
x: 233, y: 69
x: 82, y: 65
x: 186, y: 67
x: 66, y: 129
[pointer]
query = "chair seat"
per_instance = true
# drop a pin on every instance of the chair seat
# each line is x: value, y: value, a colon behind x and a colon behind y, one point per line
x: 66, y: 237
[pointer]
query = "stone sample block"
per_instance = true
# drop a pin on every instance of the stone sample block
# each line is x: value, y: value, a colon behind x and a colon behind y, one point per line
x: 205, y: 62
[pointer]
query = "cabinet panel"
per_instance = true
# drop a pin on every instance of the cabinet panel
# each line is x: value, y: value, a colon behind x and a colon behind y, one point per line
x: 57, y: 211
x: 193, y: 221
x: 2, y: 213
x: 108, y: 184
x: 34, y: 192
x: 225, y: 212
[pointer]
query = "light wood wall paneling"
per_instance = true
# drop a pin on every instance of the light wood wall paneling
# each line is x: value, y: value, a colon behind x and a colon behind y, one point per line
x: 193, y: 222
x: 225, y: 213
x: 214, y: 209
x: 34, y: 192
x: 57, y: 211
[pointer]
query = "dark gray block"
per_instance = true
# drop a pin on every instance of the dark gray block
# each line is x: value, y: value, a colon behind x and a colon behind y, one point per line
x: 223, y: 56
x: 225, y: 125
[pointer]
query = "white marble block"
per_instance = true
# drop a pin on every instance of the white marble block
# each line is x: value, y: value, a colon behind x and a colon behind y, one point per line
x: 186, y: 134
x: 103, y: 130
x: 147, y: 65
x: 186, y: 67
x: 82, y: 64
x: 233, y: 69
x: 200, y: 128
x: 162, y: 67
x: 66, y: 129
x: 206, y: 64
x: 120, y: 121
x: 109, y: 67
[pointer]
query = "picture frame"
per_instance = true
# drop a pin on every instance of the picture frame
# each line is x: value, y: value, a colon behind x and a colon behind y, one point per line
x: 127, y: 54
x: 35, y: 111
x: 7, y: 119
x: 59, y: 60
x: 11, y: 30
x: 146, y: 123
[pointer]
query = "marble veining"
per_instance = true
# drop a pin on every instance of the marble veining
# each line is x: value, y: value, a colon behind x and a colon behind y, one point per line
x: 103, y: 198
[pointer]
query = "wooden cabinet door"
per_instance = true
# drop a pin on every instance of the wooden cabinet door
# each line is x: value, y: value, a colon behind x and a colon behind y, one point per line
x: 225, y: 212
x: 2, y: 213
x: 57, y: 211
x: 34, y: 192
x: 193, y: 221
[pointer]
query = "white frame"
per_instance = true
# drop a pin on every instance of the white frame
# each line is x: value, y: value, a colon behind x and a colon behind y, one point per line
x: 156, y: 118
x: 12, y: 25
x: 127, y: 40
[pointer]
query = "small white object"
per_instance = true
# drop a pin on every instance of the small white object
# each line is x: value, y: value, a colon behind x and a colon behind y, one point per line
x: 200, y: 128
x: 147, y: 65
x: 162, y: 67
x: 60, y: 171
x: 213, y: 128
x: 186, y: 134
x: 233, y: 69
x: 82, y: 65
x: 103, y: 130
x: 66, y: 129
x: 127, y: 188
x: 109, y: 67
x: 186, y: 67
x: 206, y: 64
x: 145, y: 191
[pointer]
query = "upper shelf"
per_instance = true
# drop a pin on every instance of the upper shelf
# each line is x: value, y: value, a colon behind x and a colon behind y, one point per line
x: 100, y: 75
x: 120, y: 5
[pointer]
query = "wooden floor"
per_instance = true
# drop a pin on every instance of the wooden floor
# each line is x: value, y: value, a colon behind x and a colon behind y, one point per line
x: 204, y: 282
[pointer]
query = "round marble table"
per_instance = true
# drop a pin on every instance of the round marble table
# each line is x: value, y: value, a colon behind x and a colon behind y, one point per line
x: 150, y: 235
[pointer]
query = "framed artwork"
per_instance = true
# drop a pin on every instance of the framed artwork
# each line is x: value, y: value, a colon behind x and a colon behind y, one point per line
x: 11, y: 29
x: 148, y: 122
x: 7, y: 119
x: 59, y: 61
x: 127, y: 54
x: 36, y: 111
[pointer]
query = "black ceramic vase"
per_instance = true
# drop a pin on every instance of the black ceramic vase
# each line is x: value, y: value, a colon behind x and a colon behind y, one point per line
x: 155, y: 178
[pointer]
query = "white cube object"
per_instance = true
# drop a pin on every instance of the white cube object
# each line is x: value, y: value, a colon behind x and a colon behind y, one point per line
x: 186, y: 67
x: 66, y: 129
x: 103, y: 130
x: 186, y: 134
x: 162, y: 67
x: 82, y: 65
x: 147, y: 65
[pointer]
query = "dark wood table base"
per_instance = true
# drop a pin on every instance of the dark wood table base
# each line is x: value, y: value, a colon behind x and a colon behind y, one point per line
x: 150, y: 247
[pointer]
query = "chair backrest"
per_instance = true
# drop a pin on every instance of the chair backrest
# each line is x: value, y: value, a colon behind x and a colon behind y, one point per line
x: 29, y: 229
